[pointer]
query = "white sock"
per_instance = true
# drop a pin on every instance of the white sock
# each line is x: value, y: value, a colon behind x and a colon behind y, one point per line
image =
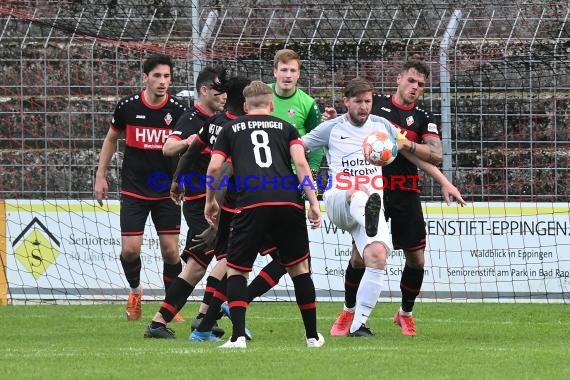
x: 367, y: 296
x: 405, y: 313
x: 349, y: 309
x: 357, y: 203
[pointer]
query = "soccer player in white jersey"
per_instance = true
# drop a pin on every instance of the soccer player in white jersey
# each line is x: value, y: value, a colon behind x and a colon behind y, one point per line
x: 357, y: 209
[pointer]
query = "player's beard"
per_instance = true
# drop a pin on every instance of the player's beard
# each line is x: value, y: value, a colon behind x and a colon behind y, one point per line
x: 358, y: 121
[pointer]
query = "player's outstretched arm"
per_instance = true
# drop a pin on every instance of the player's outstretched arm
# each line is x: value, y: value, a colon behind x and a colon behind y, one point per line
x: 431, y: 151
x: 189, y: 157
x: 184, y: 167
x: 105, y: 156
x: 448, y: 190
x: 173, y: 146
x: 305, y: 178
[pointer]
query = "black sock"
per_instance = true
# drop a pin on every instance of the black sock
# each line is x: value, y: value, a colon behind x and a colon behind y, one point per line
x: 132, y: 271
x: 218, y: 297
x: 266, y: 279
x: 170, y: 272
x: 306, y: 300
x: 237, y: 300
x: 410, y: 285
x: 176, y: 297
x: 211, y: 285
x: 352, y: 279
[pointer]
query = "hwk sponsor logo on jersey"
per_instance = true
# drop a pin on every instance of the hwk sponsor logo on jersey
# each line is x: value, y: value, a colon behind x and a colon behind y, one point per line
x: 168, y: 119
x: 146, y: 137
x: 409, y: 120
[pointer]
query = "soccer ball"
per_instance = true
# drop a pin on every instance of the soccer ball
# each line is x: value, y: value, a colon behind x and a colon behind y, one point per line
x: 380, y: 148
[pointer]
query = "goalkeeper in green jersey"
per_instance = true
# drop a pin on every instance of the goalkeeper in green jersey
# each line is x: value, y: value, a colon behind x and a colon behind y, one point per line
x: 291, y: 103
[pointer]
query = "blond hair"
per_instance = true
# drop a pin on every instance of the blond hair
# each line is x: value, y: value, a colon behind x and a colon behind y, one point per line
x: 284, y: 56
x: 257, y: 95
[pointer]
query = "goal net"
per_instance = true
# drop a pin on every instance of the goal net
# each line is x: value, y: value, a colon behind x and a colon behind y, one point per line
x: 499, y: 84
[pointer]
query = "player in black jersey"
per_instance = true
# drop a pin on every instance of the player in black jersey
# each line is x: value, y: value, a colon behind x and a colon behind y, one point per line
x: 262, y: 146
x: 146, y: 118
x: 209, y: 101
x: 198, y: 262
x: 205, y: 139
x: 403, y: 207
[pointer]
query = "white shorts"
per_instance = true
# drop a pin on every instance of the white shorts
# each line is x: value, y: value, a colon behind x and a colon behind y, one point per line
x: 338, y: 211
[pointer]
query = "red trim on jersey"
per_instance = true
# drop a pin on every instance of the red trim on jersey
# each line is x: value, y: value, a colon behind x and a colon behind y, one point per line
x: 147, y: 138
x: 308, y: 306
x: 134, y: 195
x: 401, y: 106
x: 221, y: 256
x: 200, y: 140
x: 114, y: 128
x: 202, y: 110
x: 207, y: 150
x: 152, y: 107
x: 230, y: 209
x: 431, y: 135
x: 271, y: 282
x: 219, y: 152
x: 273, y: 204
x: 231, y: 116
x: 194, y: 197
x: 169, y: 307
x: 238, y: 303
x: 296, y: 141
x: 297, y: 261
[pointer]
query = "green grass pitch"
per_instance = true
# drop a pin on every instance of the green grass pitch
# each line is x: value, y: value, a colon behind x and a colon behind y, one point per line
x: 455, y: 341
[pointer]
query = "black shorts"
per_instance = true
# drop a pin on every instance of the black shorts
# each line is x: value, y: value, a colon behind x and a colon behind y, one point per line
x: 404, y: 210
x: 251, y: 228
x: 222, y: 239
x: 134, y: 213
x: 194, y: 215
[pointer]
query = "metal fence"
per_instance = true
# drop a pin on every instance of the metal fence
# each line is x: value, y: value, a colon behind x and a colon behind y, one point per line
x: 500, y: 78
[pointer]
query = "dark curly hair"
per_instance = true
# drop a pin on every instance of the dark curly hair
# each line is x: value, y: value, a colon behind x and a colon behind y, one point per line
x: 233, y: 87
